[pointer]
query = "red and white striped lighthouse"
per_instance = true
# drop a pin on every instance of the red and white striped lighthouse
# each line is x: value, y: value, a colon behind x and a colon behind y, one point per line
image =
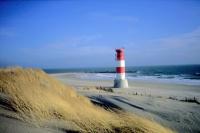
x: 120, y: 80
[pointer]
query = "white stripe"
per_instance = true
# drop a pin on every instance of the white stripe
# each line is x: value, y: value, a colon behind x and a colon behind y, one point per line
x: 120, y: 63
x: 120, y: 76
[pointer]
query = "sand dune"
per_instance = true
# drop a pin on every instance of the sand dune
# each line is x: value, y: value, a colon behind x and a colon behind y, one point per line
x: 31, y: 96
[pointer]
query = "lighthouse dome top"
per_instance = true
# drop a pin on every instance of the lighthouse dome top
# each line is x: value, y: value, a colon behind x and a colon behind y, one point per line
x: 120, y: 50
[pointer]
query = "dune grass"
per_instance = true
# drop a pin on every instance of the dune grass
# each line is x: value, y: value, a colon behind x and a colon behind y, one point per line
x: 38, y: 98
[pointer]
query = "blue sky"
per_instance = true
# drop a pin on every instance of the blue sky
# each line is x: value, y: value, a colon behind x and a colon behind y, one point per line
x: 83, y: 33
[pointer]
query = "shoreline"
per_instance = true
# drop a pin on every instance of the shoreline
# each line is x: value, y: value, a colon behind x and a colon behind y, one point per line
x: 145, y: 79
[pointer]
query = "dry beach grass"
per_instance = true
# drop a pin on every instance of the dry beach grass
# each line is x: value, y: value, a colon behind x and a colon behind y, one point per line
x: 38, y: 98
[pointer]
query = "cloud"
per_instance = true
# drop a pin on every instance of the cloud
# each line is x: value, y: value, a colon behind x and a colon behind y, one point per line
x: 94, y: 50
x: 69, y: 46
x: 179, y: 49
x: 187, y: 39
x: 80, y: 51
x: 90, y: 50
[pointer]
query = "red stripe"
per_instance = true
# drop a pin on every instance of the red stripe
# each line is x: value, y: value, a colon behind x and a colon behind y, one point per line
x: 120, y: 56
x: 120, y: 69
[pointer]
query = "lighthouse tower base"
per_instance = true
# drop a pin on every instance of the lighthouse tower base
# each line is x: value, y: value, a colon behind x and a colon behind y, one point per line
x: 120, y: 83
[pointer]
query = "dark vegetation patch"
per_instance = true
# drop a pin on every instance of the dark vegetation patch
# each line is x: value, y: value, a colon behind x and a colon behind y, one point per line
x: 108, y: 89
x: 189, y: 100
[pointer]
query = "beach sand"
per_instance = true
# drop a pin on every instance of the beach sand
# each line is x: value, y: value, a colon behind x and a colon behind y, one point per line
x: 32, y: 101
x: 172, y: 105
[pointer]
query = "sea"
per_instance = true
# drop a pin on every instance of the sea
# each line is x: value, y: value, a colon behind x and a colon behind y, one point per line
x: 178, y: 74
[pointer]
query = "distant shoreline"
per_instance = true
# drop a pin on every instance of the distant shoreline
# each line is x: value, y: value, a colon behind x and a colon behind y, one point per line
x: 148, y: 79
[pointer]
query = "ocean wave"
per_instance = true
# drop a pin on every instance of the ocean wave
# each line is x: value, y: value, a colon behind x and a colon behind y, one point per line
x: 186, y: 74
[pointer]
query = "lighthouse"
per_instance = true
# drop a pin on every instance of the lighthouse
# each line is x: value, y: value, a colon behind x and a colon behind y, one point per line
x: 120, y: 80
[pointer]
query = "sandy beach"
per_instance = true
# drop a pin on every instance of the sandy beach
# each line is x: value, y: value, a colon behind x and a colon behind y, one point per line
x: 172, y: 105
x: 34, y: 101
